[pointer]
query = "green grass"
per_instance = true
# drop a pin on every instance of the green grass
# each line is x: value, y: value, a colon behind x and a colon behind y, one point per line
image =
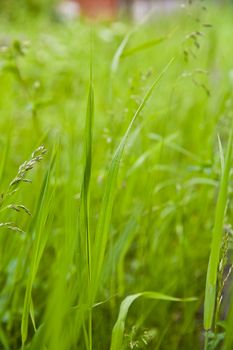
x: 117, y: 222
x: 212, y: 272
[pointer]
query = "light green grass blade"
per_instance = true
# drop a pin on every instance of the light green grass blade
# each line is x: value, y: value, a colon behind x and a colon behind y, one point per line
x: 43, y: 208
x: 221, y: 153
x: 119, y: 327
x: 144, y: 46
x: 85, y: 191
x: 119, y: 52
x: 107, y: 204
x: 37, y: 340
x: 84, y: 214
x: 211, y: 278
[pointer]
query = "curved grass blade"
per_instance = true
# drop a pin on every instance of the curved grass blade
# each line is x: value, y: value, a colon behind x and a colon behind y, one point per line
x: 119, y: 51
x: 119, y: 327
x: 146, y: 45
x: 107, y: 203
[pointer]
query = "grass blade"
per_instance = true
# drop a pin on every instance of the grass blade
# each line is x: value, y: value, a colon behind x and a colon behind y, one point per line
x: 146, y: 45
x: 211, y: 278
x: 43, y: 208
x: 119, y: 327
x: 221, y: 153
x: 85, y: 191
x: 107, y: 204
x: 119, y: 52
x: 84, y: 214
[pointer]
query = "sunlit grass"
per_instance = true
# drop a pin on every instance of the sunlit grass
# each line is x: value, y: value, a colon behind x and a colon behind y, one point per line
x: 133, y: 188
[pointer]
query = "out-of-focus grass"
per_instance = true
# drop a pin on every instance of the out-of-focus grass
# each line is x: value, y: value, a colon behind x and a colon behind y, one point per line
x: 158, y: 230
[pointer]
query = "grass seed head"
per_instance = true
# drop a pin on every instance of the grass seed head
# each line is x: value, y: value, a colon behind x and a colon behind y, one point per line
x: 36, y: 157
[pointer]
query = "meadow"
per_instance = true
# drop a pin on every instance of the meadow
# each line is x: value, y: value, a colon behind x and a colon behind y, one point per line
x: 115, y: 182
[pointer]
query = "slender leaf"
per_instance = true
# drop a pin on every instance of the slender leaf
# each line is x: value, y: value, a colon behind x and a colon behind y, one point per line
x: 42, y: 212
x: 211, y: 278
x: 119, y: 327
x: 107, y: 203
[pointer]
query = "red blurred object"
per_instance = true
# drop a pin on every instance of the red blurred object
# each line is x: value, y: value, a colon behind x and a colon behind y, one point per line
x: 98, y: 8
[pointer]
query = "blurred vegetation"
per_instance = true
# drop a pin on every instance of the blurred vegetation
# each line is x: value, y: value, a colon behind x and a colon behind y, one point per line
x: 11, y: 9
x: 159, y: 234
